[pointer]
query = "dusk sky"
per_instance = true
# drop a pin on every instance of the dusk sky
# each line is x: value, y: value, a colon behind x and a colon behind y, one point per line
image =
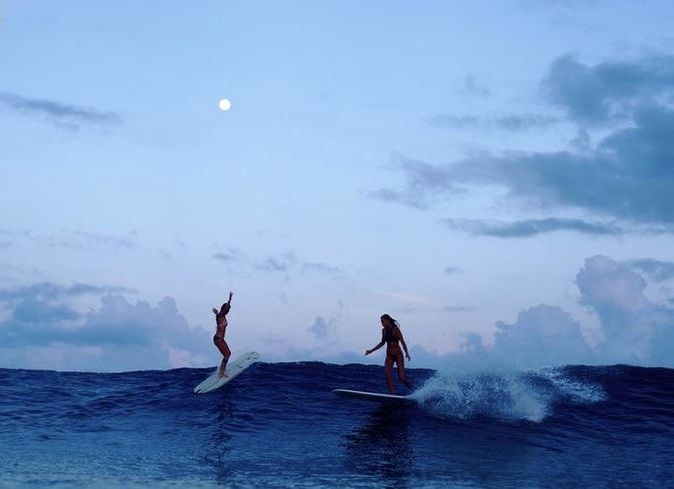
x: 496, y: 175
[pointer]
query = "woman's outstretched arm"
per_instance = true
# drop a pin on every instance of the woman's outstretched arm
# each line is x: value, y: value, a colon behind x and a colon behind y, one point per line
x: 379, y: 345
x: 402, y: 342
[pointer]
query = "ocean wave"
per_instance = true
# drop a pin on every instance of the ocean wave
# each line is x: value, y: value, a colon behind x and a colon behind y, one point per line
x: 280, y: 424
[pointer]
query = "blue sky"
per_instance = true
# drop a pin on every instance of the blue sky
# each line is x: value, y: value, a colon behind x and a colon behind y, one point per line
x: 496, y: 175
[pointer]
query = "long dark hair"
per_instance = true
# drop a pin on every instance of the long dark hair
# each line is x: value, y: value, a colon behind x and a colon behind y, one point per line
x: 390, y: 320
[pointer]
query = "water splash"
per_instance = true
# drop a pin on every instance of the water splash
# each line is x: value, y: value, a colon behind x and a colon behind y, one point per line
x: 511, y: 396
x: 571, y: 389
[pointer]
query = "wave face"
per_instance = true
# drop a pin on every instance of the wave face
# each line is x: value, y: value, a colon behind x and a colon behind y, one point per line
x: 279, y: 425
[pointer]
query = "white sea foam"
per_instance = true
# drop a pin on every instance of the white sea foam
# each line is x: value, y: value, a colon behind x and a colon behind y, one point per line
x: 512, y: 396
x: 580, y: 392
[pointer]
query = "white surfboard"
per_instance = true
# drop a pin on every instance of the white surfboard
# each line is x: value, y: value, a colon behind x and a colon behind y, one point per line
x: 214, y: 381
x: 372, y: 396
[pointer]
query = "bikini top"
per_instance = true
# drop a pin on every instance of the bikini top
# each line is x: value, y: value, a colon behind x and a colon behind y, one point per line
x: 389, y: 336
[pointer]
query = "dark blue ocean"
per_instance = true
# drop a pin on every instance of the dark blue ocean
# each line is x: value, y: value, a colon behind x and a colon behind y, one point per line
x: 280, y: 425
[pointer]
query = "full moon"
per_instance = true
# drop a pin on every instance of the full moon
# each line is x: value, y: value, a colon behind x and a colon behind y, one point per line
x: 224, y: 104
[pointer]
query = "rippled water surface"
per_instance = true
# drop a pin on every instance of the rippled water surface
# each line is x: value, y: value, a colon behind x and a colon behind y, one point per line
x: 280, y: 425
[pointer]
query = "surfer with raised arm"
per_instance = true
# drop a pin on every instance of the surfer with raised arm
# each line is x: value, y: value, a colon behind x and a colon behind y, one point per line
x: 219, y: 338
x: 393, y: 337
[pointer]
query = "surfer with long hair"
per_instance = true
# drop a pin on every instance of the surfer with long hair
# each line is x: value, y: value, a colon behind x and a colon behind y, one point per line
x: 219, y: 338
x: 392, y: 337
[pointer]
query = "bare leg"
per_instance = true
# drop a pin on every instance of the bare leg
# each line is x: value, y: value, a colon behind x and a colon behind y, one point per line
x: 226, y: 353
x: 388, y: 367
x: 400, y: 361
x: 223, y: 366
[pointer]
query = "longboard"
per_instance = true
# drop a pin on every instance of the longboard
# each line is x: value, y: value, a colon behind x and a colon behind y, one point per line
x: 372, y: 396
x: 214, y: 381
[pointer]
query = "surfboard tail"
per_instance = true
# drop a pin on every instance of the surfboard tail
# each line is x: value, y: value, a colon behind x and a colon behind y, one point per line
x: 233, y: 369
x: 372, y: 396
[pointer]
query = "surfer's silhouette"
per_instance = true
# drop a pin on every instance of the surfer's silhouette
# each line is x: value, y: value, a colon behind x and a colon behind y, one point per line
x: 392, y: 337
x: 219, y: 338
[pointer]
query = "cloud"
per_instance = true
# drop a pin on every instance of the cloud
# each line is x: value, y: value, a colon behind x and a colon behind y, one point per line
x: 452, y: 270
x: 406, y: 198
x: 473, y: 88
x: 609, y: 91
x: 88, y: 240
x: 45, y: 327
x: 117, y: 335
x: 531, y: 227
x: 119, y: 322
x: 33, y: 311
x: 605, y: 93
x: 288, y: 262
x: 657, y: 270
x: 233, y: 255
x: 424, y: 183
x: 633, y: 330
x: 511, y: 122
x: 456, y: 309
x: 544, y: 335
x: 223, y: 256
x: 320, y: 267
x: 280, y: 263
x: 611, y: 289
x: 627, y: 176
x: 43, y: 313
x: 78, y: 239
x: 51, y: 291
x: 63, y: 116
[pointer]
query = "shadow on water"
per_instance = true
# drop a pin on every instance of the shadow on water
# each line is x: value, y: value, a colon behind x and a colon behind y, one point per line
x: 382, y: 446
x: 216, y: 449
x: 401, y: 446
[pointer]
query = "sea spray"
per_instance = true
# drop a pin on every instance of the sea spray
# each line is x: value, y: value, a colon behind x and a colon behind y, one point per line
x: 570, y: 389
x: 505, y: 395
